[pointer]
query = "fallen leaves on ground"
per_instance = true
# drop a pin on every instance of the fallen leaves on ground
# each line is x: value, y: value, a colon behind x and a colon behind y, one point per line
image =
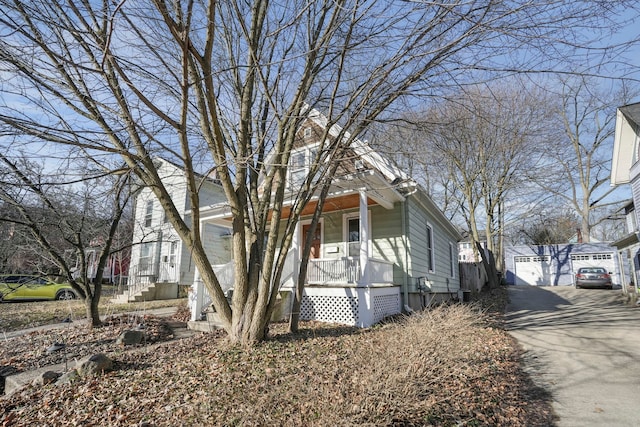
x: 447, y: 366
x: 32, y: 351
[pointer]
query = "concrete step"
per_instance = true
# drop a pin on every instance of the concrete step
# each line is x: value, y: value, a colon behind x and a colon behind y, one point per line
x: 211, y: 323
x: 140, y: 296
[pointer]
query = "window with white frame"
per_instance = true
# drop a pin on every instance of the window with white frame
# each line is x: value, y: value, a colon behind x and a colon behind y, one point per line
x: 148, y: 215
x: 300, y: 164
x: 430, y: 252
x: 353, y: 236
x: 351, y: 233
x: 144, y: 262
x: 173, y: 250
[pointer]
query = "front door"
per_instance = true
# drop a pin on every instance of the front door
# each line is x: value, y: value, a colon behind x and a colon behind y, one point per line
x: 315, y: 242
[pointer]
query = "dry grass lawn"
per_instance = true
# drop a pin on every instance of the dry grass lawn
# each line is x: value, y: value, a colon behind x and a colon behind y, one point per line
x: 450, y: 366
x: 23, y: 315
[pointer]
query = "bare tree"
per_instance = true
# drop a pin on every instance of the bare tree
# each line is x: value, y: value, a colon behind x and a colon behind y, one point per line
x: 583, y: 150
x: 224, y: 86
x: 553, y: 226
x: 63, y: 219
x: 486, y: 139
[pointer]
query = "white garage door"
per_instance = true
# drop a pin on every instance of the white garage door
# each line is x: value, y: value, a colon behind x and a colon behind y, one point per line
x: 532, y: 270
x: 593, y: 260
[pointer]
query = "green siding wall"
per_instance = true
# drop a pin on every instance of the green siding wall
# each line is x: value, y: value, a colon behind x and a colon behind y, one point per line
x: 418, y: 219
x: 388, y: 242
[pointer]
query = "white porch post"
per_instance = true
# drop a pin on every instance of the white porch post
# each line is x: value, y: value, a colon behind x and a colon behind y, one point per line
x: 364, y: 240
x: 196, y: 297
x: 295, y: 247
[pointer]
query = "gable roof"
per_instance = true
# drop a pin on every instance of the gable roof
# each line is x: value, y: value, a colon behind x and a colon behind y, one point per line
x: 386, y: 167
x: 624, y: 143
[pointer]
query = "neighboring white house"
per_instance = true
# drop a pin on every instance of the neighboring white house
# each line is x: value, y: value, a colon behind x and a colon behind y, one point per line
x: 382, y: 246
x: 159, y: 260
x: 625, y: 169
x: 467, y: 252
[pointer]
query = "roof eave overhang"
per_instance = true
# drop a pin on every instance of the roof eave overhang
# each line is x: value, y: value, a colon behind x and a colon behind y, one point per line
x: 626, y: 241
x: 623, y: 144
x: 373, y: 183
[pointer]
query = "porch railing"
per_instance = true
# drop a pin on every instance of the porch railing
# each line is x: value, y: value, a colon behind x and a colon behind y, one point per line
x: 347, y: 270
x: 142, y: 276
x: 226, y: 274
x: 333, y: 271
x: 320, y: 272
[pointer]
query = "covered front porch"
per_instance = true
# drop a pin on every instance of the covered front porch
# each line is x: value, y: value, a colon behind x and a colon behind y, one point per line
x: 333, y: 292
x: 349, y: 278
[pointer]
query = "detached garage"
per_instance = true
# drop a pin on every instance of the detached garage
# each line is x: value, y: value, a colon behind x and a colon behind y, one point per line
x: 553, y: 265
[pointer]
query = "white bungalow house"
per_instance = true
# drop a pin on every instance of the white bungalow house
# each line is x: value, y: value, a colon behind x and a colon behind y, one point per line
x: 159, y: 262
x: 625, y: 169
x: 382, y: 245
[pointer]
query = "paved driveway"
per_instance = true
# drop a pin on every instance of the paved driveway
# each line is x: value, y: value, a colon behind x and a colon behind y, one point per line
x: 583, y: 345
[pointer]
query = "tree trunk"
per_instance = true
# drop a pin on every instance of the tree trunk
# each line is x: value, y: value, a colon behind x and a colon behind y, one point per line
x: 490, y: 267
x: 91, y: 302
x: 294, y: 319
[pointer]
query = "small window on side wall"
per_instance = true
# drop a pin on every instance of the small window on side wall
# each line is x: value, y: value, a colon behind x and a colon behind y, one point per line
x: 430, y: 252
x: 148, y: 216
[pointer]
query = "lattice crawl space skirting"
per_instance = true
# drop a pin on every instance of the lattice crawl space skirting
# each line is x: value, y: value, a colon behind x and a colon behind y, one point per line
x: 330, y: 308
x: 350, y: 305
x: 385, y: 305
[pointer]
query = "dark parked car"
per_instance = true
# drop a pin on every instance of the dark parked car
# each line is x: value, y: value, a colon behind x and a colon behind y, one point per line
x: 593, y: 277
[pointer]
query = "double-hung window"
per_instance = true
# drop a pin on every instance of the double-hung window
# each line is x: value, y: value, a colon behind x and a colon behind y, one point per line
x: 430, y: 251
x: 353, y: 237
x: 144, y: 264
x: 297, y: 168
x: 148, y: 215
x: 173, y: 250
x: 300, y: 164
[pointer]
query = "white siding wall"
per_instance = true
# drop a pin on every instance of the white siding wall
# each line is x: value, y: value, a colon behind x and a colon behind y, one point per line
x: 635, y: 189
x: 174, y: 181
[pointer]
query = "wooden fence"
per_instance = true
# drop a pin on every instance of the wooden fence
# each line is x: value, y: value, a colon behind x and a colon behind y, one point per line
x: 472, y: 276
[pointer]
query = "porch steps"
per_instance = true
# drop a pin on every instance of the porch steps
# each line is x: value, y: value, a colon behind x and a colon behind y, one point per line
x: 146, y: 294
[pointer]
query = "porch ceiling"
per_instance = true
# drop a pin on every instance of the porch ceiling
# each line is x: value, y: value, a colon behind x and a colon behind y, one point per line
x: 332, y: 204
